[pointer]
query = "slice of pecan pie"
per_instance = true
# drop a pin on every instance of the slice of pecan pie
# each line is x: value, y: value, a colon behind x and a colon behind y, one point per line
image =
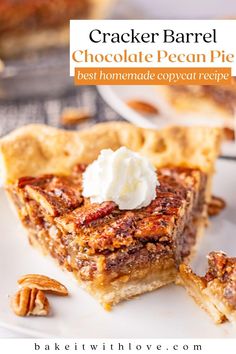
x: 216, y: 291
x: 29, y: 25
x: 115, y: 254
x: 215, y: 102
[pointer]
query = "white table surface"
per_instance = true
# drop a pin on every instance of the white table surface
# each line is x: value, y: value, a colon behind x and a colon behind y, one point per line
x: 5, y: 333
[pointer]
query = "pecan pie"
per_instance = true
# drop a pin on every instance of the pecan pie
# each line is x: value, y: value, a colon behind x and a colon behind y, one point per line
x: 217, y: 102
x: 27, y: 25
x: 115, y: 254
x: 216, y: 291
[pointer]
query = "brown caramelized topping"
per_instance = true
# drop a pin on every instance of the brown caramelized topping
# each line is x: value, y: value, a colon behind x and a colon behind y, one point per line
x: 223, y: 268
x: 100, y: 228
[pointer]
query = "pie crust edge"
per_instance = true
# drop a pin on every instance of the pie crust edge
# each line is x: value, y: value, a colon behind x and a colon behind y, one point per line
x: 38, y: 149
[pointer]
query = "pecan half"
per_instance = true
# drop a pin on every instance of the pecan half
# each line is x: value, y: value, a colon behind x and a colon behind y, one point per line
x: 42, y: 282
x: 216, y: 205
x: 33, y: 181
x: 74, y: 116
x: 28, y: 302
x: 84, y: 215
x: 47, y: 201
x: 142, y: 107
x: 229, y: 134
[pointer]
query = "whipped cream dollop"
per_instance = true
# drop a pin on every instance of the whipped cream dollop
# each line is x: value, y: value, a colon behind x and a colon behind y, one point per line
x: 121, y: 176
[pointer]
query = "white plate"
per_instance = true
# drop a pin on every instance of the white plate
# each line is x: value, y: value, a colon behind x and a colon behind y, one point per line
x: 167, y: 312
x: 117, y: 96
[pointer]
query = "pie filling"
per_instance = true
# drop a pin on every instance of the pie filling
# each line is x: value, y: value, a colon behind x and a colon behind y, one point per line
x: 216, y: 291
x: 224, y: 96
x: 110, y: 249
x: 17, y: 17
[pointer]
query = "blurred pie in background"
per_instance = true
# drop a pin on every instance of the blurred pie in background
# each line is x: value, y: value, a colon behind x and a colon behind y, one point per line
x: 28, y: 25
x: 215, y: 103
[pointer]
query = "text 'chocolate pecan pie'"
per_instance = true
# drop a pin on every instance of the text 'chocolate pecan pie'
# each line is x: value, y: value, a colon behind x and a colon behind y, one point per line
x: 115, y: 254
x: 216, y: 291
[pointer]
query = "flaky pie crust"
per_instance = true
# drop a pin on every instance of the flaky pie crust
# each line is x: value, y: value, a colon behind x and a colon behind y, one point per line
x: 38, y: 149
